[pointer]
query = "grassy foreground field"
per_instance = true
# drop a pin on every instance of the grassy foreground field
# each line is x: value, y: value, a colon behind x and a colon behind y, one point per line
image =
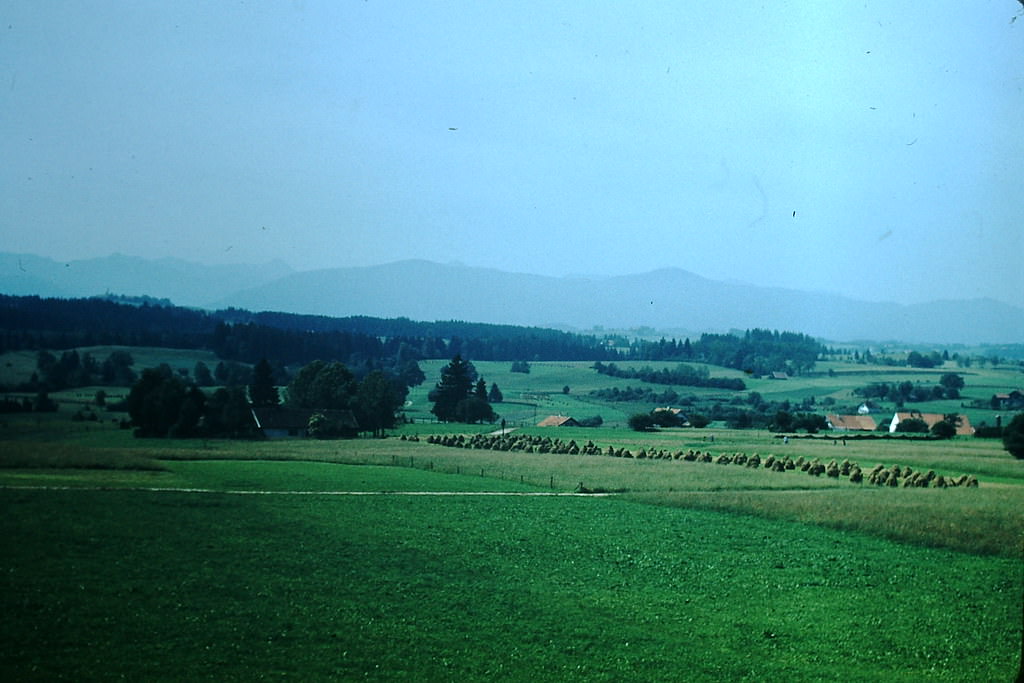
x: 180, y: 586
x: 178, y: 560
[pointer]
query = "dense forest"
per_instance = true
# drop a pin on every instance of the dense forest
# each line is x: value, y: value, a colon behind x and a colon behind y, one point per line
x: 756, y: 352
x: 233, y: 334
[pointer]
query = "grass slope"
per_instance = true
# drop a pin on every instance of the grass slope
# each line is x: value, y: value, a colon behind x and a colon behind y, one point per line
x: 174, y: 586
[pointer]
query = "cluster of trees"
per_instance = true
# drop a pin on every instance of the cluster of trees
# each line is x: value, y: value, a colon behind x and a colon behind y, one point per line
x: 785, y: 421
x: 943, y: 429
x: 740, y: 412
x: 374, y: 399
x: 661, y: 417
x: 42, y: 403
x: 163, y: 403
x: 1013, y: 436
x: 916, y: 359
x: 862, y: 358
x: 72, y: 369
x: 949, y: 387
x: 681, y: 375
x: 637, y: 395
x: 461, y: 394
x: 757, y: 351
x: 988, y: 354
x: 735, y: 418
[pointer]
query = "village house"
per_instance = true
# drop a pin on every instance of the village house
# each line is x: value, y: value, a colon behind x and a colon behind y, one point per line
x: 1013, y: 400
x: 280, y: 422
x: 677, y: 414
x: 962, y: 429
x: 558, y: 421
x: 851, y: 423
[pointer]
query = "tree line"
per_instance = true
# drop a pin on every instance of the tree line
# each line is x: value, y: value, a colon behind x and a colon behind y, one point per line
x: 681, y: 375
x: 31, y: 322
x: 163, y: 403
x: 949, y: 387
x: 756, y: 351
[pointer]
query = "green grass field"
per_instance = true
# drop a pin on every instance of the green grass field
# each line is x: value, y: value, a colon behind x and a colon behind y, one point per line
x: 531, y: 397
x: 179, y: 586
x: 176, y: 560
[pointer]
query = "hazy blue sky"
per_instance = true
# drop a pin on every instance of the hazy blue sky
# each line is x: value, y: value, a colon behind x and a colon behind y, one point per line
x: 874, y: 149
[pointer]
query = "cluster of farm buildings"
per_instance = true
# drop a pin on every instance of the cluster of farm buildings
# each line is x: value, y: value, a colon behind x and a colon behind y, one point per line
x: 838, y: 423
x: 282, y: 422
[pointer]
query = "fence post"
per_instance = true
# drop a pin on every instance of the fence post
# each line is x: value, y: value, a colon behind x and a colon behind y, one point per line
x: 552, y: 482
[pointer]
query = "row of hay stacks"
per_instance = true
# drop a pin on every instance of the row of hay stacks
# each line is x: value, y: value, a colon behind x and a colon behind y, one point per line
x: 879, y: 475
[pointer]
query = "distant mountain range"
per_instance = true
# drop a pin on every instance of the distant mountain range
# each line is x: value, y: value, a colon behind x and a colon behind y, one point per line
x: 184, y: 283
x: 670, y: 300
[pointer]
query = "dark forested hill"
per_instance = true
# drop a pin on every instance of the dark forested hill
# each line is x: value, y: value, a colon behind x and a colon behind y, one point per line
x: 36, y: 323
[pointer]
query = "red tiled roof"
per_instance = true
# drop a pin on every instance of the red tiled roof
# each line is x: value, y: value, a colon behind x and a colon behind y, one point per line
x: 557, y: 421
x: 963, y: 429
x: 862, y: 423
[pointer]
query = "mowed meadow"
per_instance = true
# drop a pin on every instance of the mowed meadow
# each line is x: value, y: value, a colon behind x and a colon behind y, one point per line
x: 399, y: 559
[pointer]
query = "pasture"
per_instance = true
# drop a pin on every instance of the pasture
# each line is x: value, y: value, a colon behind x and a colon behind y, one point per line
x: 175, y: 560
x: 398, y: 559
x: 533, y: 396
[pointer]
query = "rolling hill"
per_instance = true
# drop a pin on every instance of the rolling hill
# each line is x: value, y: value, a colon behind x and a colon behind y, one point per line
x: 671, y: 300
x: 667, y: 299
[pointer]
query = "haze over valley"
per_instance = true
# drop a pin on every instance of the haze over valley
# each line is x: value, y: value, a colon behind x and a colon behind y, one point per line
x: 670, y: 301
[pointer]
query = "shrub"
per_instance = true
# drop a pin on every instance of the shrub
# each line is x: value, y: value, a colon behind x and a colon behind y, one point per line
x: 913, y: 425
x: 943, y: 429
x: 984, y: 431
x: 473, y: 409
x: 665, y: 418
x: 520, y: 366
x: 641, y: 422
x: 1013, y: 436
